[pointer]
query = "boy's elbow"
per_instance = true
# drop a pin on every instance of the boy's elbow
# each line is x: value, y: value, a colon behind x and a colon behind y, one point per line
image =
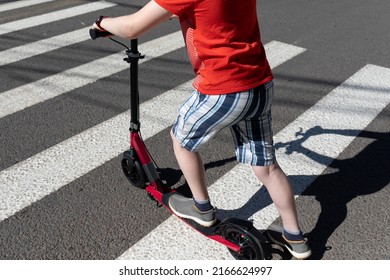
x: 131, y: 32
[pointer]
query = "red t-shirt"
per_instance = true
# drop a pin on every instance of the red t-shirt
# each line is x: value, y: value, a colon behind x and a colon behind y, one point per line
x: 223, y: 43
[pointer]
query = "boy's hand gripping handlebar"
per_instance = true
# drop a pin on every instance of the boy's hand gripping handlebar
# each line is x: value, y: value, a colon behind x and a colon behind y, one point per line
x: 96, y: 33
x: 99, y: 31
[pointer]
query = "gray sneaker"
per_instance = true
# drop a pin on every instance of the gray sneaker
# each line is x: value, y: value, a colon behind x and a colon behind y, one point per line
x: 184, y: 207
x: 299, y: 249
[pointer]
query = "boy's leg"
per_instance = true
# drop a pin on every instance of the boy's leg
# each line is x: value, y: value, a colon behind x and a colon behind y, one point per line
x: 200, y: 118
x: 280, y: 190
x: 254, y: 142
x: 199, y: 207
x: 192, y: 167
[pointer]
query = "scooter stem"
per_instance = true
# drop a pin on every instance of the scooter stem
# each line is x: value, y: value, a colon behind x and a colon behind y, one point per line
x: 133, y: 56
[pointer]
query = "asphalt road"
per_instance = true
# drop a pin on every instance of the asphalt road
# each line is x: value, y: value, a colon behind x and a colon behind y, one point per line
x: 64, y: 111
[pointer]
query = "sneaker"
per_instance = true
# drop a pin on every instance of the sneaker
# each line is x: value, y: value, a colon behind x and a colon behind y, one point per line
x: 299, y: 249
x: 185, y: 208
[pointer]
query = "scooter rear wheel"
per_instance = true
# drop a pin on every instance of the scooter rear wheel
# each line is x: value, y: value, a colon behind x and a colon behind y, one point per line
x: 251, y: 248
x: 132, y: 168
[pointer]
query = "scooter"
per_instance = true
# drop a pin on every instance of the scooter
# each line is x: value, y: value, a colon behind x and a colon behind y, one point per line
x: 241, y: 238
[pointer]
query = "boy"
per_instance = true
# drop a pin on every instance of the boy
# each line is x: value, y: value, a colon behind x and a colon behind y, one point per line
x: 233, y: 88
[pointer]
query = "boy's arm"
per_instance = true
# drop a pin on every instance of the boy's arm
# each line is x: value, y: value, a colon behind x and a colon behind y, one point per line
x: 134, y: 25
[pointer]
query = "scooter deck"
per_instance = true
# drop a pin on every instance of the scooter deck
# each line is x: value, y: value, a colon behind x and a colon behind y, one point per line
x: 218, y: 230
x: 212, y: 232
x: 208, y: 231
x: 233, y: 233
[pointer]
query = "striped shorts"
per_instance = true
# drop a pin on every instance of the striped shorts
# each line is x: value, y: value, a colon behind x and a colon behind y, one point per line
x: 247, y: 114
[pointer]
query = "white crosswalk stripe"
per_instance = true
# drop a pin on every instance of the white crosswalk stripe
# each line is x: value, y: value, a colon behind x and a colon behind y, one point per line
x: 21, y: 4
x: 40, y: 47
x: 53, y: 16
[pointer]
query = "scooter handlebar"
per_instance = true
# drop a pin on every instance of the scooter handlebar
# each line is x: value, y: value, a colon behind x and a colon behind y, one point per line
x: 96, y: 33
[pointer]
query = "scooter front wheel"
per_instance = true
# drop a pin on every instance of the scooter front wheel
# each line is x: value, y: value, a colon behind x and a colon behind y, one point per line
x: 132, y: 168
x: 251, y: 248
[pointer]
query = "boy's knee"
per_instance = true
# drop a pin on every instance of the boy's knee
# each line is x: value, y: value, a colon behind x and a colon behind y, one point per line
x: 175, y: 142
x: 263, y: 172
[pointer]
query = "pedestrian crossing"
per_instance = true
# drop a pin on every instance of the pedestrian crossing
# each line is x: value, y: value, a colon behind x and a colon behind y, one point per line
x: 30, y: 94
x: 41, y: 165
x: 303, y: 145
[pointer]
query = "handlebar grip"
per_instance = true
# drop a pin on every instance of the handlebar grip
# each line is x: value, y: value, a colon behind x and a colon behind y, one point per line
x: 96, y: 33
